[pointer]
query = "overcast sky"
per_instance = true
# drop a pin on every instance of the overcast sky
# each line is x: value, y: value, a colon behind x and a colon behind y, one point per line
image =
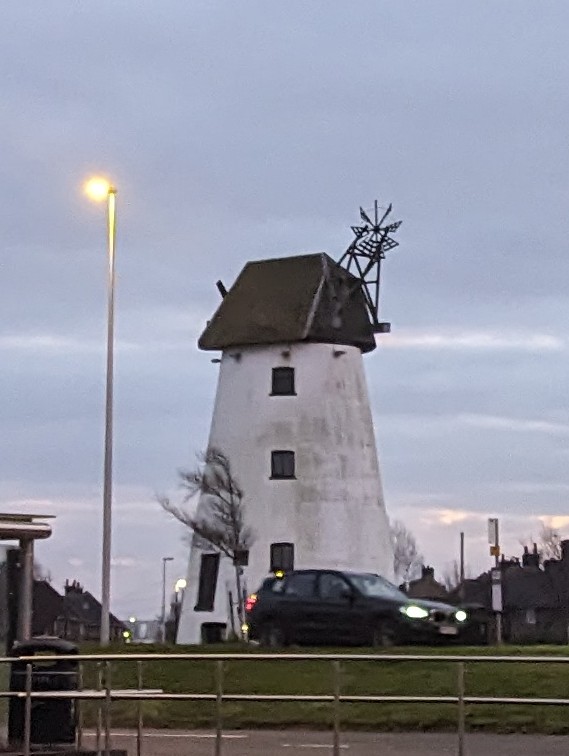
x: 237, y: 131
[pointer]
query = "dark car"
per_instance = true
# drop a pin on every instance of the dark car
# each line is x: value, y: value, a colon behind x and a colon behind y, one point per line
x: 321, y: 607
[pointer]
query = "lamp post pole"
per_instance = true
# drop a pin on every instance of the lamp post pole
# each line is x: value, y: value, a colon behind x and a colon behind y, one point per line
x: 108, y: 463
x: 99, y: 189
x: 163, y: 613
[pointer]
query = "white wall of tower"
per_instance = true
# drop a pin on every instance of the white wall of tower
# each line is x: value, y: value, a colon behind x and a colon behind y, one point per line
x: 333, y: 510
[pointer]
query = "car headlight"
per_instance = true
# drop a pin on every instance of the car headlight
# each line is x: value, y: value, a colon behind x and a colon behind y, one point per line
x: 414, y: 612
x: 461, y: 616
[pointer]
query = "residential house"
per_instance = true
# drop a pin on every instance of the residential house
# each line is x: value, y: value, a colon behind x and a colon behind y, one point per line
x: 73, y: 616
x: 79, y: 604
x: 535, y: 598
x: 426, y: 587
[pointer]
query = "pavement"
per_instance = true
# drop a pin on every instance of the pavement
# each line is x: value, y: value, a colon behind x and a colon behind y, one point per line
x: 290, y: 742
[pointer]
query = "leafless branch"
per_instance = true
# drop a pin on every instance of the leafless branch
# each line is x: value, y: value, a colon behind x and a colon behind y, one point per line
x: 221, y: 522
x: 548, y: 543
x: 407, y: 560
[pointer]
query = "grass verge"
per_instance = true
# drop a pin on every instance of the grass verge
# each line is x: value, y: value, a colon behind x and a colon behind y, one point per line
x: 550, y: 680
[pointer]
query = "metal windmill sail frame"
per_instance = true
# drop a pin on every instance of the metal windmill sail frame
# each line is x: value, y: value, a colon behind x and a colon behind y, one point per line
x: 364, y: 255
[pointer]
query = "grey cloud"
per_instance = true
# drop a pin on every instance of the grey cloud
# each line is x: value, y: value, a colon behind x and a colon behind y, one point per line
x: 238, y: 132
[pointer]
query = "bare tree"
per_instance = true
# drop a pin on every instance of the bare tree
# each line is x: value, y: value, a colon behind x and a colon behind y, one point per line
x: 407, y: 560
x: 220, y: 522
x: 41, y: 575
x: 451, y: 577
x: 548, y: 543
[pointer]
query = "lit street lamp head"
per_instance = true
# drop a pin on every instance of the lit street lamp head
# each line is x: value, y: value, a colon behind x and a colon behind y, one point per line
x: 98, y: 189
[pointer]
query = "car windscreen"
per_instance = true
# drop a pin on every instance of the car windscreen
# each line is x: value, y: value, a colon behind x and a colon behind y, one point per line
x: 375, y: 586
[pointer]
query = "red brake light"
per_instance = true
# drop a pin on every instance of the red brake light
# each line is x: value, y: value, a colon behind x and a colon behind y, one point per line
x: 250, y: 602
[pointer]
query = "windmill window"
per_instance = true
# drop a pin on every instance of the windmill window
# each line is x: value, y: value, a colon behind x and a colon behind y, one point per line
x: 282, y: 464
x: 282, y: 557
x: 207, y: 582
x: 283, y: 382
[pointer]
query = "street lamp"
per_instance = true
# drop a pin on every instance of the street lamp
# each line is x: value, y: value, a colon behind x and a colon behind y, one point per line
x: 99, y: 189
x: 163, y: 615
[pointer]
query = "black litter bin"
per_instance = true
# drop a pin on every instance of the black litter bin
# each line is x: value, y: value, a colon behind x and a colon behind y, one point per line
x: 53, y: 721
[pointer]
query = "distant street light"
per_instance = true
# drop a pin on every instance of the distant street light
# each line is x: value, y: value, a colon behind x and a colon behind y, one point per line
x: 163, y: 614
x: 99, y: 189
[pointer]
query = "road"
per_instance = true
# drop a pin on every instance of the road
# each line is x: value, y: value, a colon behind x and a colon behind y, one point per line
x: 287, y: 743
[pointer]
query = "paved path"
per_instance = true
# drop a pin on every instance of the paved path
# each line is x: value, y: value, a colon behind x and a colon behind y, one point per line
x: 288, y: 743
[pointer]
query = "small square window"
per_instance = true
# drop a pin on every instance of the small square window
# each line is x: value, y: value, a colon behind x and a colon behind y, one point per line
x: 282, y: 557
x: 282, y: 464
x: 531, y: 619
x: 283, y: 381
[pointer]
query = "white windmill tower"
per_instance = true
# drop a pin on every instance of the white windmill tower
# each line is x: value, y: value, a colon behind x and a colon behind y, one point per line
x: 292, y: 415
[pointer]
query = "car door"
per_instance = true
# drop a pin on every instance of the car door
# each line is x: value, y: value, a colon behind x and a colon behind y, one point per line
x: 336, y: 609
x: 297, y: 605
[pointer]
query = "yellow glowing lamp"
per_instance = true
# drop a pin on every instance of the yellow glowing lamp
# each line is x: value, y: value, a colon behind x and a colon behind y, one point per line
x: 98, y: 189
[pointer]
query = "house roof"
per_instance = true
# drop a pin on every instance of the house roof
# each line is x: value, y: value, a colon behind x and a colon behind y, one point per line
x: 474, y: 592
x: 522, y: 588
x: 85, y: 607
x: 291, y: 299
x: 47, y: 605
x: 529, y: 588
x: 426, y: 587
x: 75, y: 605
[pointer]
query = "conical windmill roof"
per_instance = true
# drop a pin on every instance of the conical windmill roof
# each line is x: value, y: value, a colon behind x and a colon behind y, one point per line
x: 308, y: 298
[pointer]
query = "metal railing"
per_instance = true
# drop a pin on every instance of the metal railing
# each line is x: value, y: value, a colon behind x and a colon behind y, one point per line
x: 104, y: 693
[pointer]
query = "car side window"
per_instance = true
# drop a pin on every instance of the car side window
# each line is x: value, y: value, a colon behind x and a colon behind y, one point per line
x: 333, y: 587
x: 301, y: 585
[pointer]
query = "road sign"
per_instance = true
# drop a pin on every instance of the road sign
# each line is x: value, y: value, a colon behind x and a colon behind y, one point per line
x: 493, y: 538
x: 497, y: 590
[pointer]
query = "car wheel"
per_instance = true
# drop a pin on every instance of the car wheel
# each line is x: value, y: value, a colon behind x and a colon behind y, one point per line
x: 273, y: 636
x: 383, y: 636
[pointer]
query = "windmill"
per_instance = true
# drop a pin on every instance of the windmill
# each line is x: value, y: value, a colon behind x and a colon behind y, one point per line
x: 363, y: 258
x: 293, y: 415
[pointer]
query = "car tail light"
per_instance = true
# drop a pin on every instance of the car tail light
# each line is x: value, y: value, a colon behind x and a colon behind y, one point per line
x: 250, y: 602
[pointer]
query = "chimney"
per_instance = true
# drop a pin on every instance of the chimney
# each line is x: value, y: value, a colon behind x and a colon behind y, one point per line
x: 530, y: 559
x: 73, y: 587
x: 427, y: 572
